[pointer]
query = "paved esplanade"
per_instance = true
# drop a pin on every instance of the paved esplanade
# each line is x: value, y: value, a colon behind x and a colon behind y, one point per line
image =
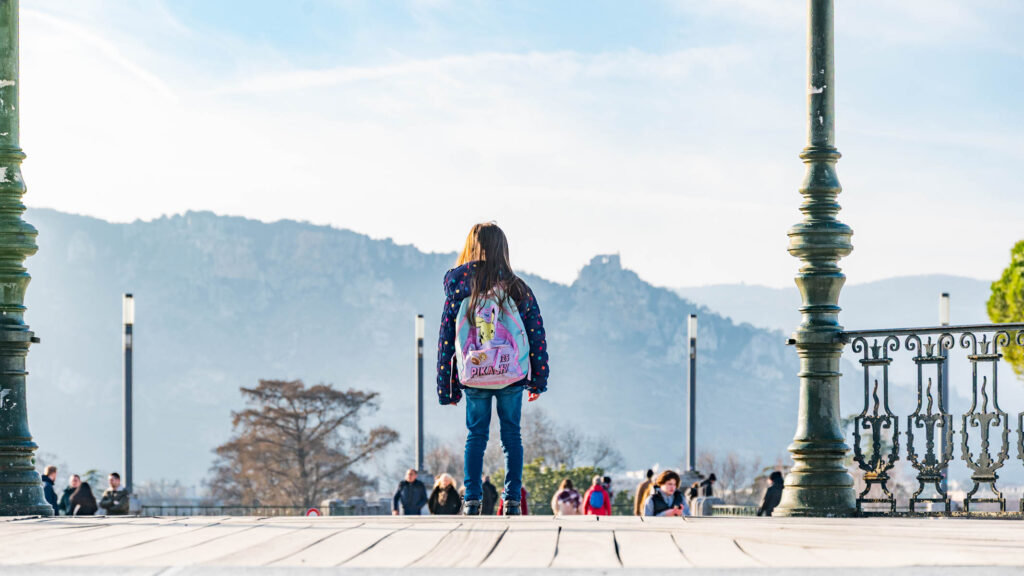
x: 213, y: 545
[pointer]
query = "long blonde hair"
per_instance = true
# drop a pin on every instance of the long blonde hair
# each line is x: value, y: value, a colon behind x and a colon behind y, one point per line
x: 442, y: 479
x: 487, y: 244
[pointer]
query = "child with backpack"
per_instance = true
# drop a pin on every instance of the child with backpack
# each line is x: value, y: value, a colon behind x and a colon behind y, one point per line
x: 491, y: 347
x: 597, y: 501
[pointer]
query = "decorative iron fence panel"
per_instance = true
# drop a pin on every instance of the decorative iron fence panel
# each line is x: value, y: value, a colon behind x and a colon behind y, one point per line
x: 985, y: 428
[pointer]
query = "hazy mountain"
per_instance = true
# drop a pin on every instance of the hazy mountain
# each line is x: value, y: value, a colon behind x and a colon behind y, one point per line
x: 224, y: 301
x: 892, y: 303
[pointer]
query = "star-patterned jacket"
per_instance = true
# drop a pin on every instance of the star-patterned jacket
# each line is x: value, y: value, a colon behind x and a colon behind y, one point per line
x: 457, y: 287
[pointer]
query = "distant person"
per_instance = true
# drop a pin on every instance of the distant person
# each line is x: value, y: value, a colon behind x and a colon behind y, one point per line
x: 567, y: 501
x: 641, y: 493
x: 49, y: 477
x: 411, y: 496
x: 708, y: 486
x: 490, y: 497
x: 665, y: 498
x: 115, y: 498
x: 492, y: 327
x: 524, y: 507
x: 65, y: 500
x: 82, y: 501
x: 597, y: 502
x: 772, y: 495
x: 445, y: 499
x: 607, y: 483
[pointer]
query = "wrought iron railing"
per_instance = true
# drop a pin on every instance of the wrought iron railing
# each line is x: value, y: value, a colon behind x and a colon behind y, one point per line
x: 187, y: 510
x: 733, y: 510
x: 984, y: 429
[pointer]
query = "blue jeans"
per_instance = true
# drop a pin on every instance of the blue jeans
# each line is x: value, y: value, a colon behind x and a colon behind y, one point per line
x: 478, y: 423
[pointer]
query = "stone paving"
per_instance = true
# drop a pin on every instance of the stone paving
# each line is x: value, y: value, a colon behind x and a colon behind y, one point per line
x: 228, y: 545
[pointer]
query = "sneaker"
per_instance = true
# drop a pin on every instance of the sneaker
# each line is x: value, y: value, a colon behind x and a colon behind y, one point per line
x: 472, y: 508
x: 512, y: 509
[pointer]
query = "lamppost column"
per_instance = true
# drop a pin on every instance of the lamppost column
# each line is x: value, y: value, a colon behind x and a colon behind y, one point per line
x: 419, y: 392
x: 128, y: 315
x: 818, y: 484
x: 691, y: 448
x: 20, y: 485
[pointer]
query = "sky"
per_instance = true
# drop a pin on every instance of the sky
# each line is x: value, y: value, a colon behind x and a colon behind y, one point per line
x: 667, y: 131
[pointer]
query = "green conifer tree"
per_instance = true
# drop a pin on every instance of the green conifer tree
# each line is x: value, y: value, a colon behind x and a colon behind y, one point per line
x: 1006, y: 304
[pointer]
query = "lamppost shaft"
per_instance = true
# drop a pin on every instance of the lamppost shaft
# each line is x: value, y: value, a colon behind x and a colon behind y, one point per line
x: 419, y: 392
x: 691, y: 449
x: 818, y: 484
x: 129, y: 321
x: 20, y: 485
x: 944, y: 320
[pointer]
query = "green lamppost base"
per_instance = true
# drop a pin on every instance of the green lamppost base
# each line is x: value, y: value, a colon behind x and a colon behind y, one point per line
x: 21, y: 489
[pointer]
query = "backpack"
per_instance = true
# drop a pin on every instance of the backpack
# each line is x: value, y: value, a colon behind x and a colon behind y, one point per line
x: 568, y: 502
x: 493, y: 352
x: 596, y: 499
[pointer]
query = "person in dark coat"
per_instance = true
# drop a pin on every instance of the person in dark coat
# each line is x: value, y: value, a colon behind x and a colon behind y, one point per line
x: 490, y: 497
x: 49, y: 477
x: 708, y: 486
x: 82, y: 502
x: 411, y: 496
x: 772, y: 495
x: 445, y: 499
x: 65, y: 499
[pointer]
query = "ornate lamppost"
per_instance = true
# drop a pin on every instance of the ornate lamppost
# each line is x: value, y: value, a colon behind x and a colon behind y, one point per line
x: 21, y: 491
x: 818, y: 484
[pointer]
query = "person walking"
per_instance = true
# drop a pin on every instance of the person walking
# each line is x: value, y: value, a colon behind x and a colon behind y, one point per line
x: 597, y: 502
x: 524, y: 506
x: 772, y: 495
x: 411, y: 496
x: 566, y: 501
x: 49, y: 477
x: 708, y: 486
x: 641, y: 493
x: 445, y: 499
x: 491, y: 326
x: 74, y: 481
x: 666, y: 499
x: 489, y: 498
x: 82, y: 502
x: 115, y: 498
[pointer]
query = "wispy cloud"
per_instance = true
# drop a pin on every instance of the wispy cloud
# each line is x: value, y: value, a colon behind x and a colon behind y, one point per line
x: 683, y: 160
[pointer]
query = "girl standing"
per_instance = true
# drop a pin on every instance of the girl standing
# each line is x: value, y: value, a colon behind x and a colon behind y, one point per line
x: 491, y: 345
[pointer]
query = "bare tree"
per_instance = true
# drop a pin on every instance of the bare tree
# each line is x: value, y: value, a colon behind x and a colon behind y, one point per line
x: 296, y: 445
x: 441, y: 457
x: 734, y: 474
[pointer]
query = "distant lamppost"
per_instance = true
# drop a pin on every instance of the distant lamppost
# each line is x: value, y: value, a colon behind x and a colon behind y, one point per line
x: 944, y: 396
x: 691, y: 441
x: 128, y: 317
x: 818, y: 484
x: 419, y: 392
x: 21, y: 489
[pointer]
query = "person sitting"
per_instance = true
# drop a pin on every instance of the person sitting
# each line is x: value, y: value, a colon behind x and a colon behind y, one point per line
x: 665, y: 498
x: 567, y: 501
x: 445, y: 499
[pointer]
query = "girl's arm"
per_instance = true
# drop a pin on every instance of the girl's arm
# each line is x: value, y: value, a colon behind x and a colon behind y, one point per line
x: 530, y: 312
x: 448, y: 391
